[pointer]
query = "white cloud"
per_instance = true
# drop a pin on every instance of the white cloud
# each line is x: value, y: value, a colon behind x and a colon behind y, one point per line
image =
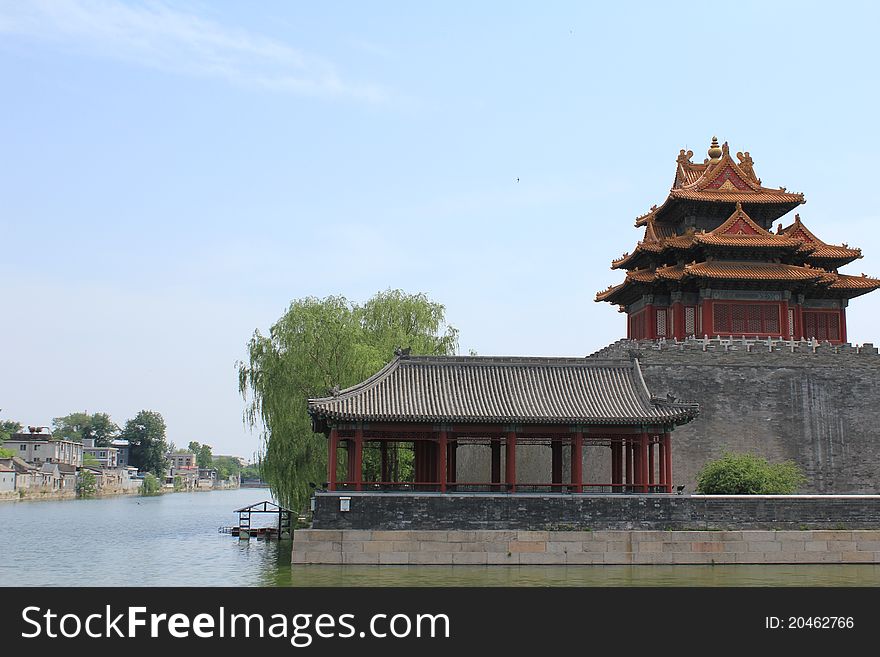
x: 156, y: 35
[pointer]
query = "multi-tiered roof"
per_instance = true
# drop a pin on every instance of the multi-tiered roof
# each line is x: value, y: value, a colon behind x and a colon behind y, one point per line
x: 714, y: 227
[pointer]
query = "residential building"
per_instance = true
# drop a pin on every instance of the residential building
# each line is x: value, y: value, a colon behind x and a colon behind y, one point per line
x: 37, y: 447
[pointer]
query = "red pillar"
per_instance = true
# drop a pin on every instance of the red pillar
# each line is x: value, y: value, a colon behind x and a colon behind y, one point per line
x: 331, y: 459
x: 510, y: 462
x: 783, y: 321
x: 650, y: 322
x: 667, y: 449
x: 628, y: 466
x: 359, y: 459
x: 678, y: 321
x: 577, y: 469
x: 441, y: 461
x: 662, y: 454
x: 496, y: 461
x: 643, y: 461
x: 556, y: 462
x: 615, y: 465
x: 651, y: 463
x: 706, y: 325
x: 843, y: 324
x: 349, y: 460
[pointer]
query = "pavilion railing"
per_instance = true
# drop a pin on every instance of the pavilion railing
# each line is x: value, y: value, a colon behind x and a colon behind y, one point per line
x: 495, y: 487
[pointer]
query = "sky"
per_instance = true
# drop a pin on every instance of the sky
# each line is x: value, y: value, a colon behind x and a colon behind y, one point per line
x: 174, y: 174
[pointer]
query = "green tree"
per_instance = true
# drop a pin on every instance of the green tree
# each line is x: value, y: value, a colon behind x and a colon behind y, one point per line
x: 145, y: 434
x: 204, y: 458
x: 151, y: 485
x: 747, y: 474
x: 90, y: 459
x: 6, y: 453
x: 7, y: 428
x: 87, y: 485
x: 79, y: 426
x: 318, y: 344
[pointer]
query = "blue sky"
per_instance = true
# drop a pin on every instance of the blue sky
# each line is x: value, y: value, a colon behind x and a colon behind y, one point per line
x: 174, y: 174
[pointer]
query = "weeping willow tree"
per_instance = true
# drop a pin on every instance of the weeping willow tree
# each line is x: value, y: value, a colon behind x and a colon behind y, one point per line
x: 316, y: 345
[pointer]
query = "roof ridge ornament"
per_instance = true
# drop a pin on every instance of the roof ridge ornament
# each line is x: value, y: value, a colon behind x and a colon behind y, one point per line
x: 715, y: 151
x: 402, y: 352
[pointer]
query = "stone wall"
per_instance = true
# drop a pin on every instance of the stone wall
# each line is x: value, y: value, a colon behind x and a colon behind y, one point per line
x: 428, y: 511
x: 818, y: 405
x: 323, y: 546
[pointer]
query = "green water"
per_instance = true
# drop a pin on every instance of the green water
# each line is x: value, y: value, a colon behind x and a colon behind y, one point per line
x: 172, y: 540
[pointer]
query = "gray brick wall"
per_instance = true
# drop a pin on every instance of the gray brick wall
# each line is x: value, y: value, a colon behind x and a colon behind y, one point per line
x: 394, y: 511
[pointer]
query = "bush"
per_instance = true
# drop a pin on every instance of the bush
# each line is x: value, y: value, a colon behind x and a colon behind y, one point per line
x: 87, y: 485
x: 150, y: 485
x: 747, y: 474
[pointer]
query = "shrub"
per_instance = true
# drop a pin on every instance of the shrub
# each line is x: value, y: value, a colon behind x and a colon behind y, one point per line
x: 87, y: 485
x: 150, y: 485
x: 747, y: 474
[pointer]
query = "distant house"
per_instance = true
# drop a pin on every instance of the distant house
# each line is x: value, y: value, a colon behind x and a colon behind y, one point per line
x: 108, y: 457
x: 122, y: 451
x: 178, y: 460
x: 24, y: 472
x: 37, y: 447
x: 7, y: 479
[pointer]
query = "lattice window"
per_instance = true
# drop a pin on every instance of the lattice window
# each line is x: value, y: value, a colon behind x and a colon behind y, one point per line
x: 822, y: 325
x: 745, y: 318
x: 790, y: 323
x: 661, y: 322
x: 690, y: 324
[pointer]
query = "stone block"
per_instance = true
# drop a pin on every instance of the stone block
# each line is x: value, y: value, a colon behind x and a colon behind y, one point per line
x: 527, y: 546
x: 618, y: 557
x: 461, y: 537
x: 360, y: 557
x: 394, y: 557
x: 324, y: 557
x: 469, y: 558
x: 502, y: 558
x: 764, y: 546
x: 858, y: 557
x: 530, y: 536
x: 706, y: 546
x: 392, y: 535
x: 544, y: 558
x: 356, y: 535
x: 405, y: 546
x: 584, y: 558
x: 379, y: 546
x: 439, y: 546
x: 648, y: 546
x: 815, y: 546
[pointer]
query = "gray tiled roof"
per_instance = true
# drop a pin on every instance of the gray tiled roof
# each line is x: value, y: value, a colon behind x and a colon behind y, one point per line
x: 501, y: 389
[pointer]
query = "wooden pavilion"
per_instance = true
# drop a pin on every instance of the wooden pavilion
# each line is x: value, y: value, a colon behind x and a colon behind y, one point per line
x: 436, y: 404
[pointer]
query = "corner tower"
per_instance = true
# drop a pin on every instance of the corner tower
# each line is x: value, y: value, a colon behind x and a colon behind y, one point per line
x: 709, y: 264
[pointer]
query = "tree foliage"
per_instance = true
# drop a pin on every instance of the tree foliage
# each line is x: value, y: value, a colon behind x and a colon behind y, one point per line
x: 81, y: 425
x: 7, y: 428
x: 315, y: 345
x: 204, y: 458
x: 747, y: 474
x: 88, y: 484
x: 151, y: 485
x: 145, y: 434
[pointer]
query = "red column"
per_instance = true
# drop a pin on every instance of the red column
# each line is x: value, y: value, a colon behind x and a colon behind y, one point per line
x: 331, y: 459
x: 577, y: 470
x: 678, y: 321
x: 651, y: 463
x: 798, y: 322
x: 643, y: 461
x: 667, y: 449
x: 510, y: 462
x: 843, y: 324
x: 451, y: 463
x: 349, y: 460
x: 662, y: 453
x: 359, y: 459
x: 615, y: 465
x: 441, y: 461
x: 706, y: 326
x: 650, y: 322
x: 556, y: 462
x: 496, y: 461
x: 627, y: 466
x: 783, y: 321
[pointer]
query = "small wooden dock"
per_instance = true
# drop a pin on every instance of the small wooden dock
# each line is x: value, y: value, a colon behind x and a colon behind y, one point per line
x: 244, y: 531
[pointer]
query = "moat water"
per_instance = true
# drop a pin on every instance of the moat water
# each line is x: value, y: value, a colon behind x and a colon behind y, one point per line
x: 173, y: 540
